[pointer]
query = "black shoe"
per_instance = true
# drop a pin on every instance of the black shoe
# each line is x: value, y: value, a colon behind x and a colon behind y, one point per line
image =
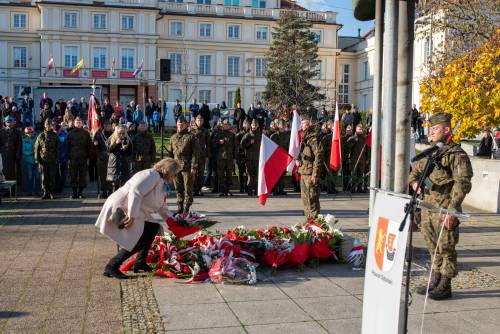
x: 442, y: 291
x: 45, y: 196
x: 229, y: 194
x: 114, y: 272
x: 142, y: 266
x: 222, y: 195
x: 75, y: 194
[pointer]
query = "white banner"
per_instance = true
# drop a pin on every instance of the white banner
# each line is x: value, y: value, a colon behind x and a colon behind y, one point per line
x: 384, y: 265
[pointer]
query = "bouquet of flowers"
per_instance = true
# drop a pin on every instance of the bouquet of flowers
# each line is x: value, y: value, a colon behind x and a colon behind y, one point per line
x: 185, y: 224
x: 234, y: 270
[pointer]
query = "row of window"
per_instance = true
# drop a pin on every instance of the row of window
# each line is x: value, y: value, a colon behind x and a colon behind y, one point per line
x: 99, y: 21
x: 206, y: 94
x: 235, y: 3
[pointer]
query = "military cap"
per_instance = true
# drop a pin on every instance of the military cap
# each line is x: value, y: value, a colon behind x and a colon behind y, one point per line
x: 182, y: 119
x: 440, y: 117
x: 9, y: 119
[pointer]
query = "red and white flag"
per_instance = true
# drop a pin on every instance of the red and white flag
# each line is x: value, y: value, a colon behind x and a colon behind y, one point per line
x: 113, y: 66
x: 92, y: 112
x: 272, y: 164
x: 336, y: 151
x: 295, y: 141
x: 50, y: 65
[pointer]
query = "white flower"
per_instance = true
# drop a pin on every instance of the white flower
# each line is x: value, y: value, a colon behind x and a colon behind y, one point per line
x: 330, y: 219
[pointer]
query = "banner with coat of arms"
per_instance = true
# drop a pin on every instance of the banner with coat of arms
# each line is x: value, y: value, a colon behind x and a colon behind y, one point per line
x: 384, y: 264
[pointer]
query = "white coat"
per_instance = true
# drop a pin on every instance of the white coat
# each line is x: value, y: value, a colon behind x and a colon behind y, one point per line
x: 140, y: 198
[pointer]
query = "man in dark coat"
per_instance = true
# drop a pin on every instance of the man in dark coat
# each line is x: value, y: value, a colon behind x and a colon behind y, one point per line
x: 203, y: 137
x: 99, y: 140
x: 225, y: 157
x: 177, y: 110
x: 205, y: 113
x: 239, y: 117
x: 77, y: 150
x: 144, y: 148
x: 251, y: 144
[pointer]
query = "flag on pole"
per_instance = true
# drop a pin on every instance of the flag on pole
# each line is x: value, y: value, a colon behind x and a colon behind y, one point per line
x: 113, y: 66
x: 93, y: 121
x: 295, y: 141
x: 50, y: 65
x: 272, y: 164
x: 336, y: 151
x: 78, y: 66
x: 139, y: 68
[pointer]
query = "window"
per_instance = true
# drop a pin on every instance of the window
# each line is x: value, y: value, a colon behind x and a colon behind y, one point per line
x: 259, y: 3
x: 176, y: 28
x: 365, y: 70
x: 317, y: 37
x: 204, y: 2
x: 205, y: 63
x: 427, y: 50
x: 364, y: 102
x: 127, y: 22
x: 20, y: 57
x: 235, y: 3
x: 262, y: 33
x: 128, y: 55
x: 17, y: 90
x: 344, y: 84
x: 175, y: 63
x: 70, y: 56
x: 99, y: 21
x: 70, y: 20
x: 233, y: 31
x: 175, y: 94
x: 205, y: 29
x: 233, y: 66
x: 319, y: 69
x: 19, y: 21
x: 99, y: 58
x: 205, y: 94
x: 260, y: 67
x: 230, y: 99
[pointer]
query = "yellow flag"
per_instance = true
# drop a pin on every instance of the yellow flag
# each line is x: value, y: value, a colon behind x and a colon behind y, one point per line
x: 78, y: 66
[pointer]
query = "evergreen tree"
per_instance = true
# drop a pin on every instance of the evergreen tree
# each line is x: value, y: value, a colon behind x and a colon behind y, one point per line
x: 292, y: 62
x: 237, y: 97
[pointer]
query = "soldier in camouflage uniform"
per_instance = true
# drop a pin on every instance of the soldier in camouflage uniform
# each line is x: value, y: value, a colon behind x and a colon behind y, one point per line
x: 47, y: 151
x: 185, y: 149
x: 240, y: 156
x: 11, y: 147
x: 356, y: 145
x: 344, y: 150
x: 251, y: 144
x: 282, y: 138
x: 327, y: 174
x: 309, y: 165
x: 99, y: 139
x: 144, y: 147
x: 77, y: 150
x: 446, y: 187
x: 203, y: 136
x: 226, y: 140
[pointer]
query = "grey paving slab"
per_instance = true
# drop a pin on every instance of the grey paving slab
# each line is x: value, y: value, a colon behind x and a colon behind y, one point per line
x: 198, y: 316
x: 309, y: 286
x: 343, y: 326
x: 186, y: 294
x: 268, y: 312
x: 262, y: 291
x: 225, y: 330
x: 327, y: 308
x: 287, y: 328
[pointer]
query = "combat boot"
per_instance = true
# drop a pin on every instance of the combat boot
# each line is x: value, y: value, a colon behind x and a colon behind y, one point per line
x: 113, y: 267
x: 443, y: 290
x: 435, y: 277
x: 75, y: 194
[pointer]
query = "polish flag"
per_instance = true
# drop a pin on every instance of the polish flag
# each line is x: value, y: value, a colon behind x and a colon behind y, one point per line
x: 50, y: 65
x: 272, y: 164
x: 336, y: 151
x: 92, y: 113
x: 295, y: 141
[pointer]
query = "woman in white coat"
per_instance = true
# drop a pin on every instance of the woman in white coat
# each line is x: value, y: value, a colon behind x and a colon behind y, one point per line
x: 143, y: 195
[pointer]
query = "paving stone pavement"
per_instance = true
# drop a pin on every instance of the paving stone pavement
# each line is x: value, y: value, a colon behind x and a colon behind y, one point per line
x: 51, y: 279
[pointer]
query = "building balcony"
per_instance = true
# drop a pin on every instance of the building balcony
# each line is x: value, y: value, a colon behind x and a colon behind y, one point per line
x: 132, y: 3
x: 242, y: 12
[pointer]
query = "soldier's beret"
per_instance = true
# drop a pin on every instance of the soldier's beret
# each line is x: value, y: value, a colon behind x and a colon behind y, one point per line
x: 9, y: 119
x: 182, y: 119
x: 440, y: 117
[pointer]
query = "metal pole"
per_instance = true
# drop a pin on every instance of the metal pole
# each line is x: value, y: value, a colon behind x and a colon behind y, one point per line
x: 389, y: 93
x: 404, y: 91
x: 162, y: 117
x: 377, y: 102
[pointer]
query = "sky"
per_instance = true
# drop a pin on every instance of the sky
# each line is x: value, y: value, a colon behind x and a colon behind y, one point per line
x: 345, y: 16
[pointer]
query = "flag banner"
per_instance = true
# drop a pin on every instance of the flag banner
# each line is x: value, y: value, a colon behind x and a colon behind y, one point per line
x: 336, y: 151
x: 295, y: 141
x: 93, y: 119
x: 138, y: 70
x: 384, y: 264
x: 50, y: 65
x: 78, y: 66
x: 113, y: 66
x: 272, y: 164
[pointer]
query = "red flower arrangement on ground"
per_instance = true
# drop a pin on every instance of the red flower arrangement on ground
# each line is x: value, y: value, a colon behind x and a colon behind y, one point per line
x: 233, y: 256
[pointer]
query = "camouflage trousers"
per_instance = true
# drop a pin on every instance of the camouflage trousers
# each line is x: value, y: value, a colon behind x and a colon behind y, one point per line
x: 310, y: 196
x: 78, y: 173
x: 200, y: 175
x: 446, y: 255
x: 184, y: 188
x: 48, y: 173
x: 252, y: 167
x: 225, y: 172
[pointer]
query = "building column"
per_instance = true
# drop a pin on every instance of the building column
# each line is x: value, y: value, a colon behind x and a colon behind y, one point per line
x: 113, y: 94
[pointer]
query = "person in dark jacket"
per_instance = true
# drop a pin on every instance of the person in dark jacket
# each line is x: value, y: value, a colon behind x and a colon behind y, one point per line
x: 144, y: 147
x: 239, y: 117
x: 120, y: 151
x: 150, y: 108
x: 77, y: 150
x: 177, y: 110
x: 99, y: 140
x: 46, y: 100
x: 106, y: 110
x: 63, y: 159
x: 27, y: 106
x: 194, y: 108
x: 11, y: 149
x: 205, y: 113
x: 486, y: 145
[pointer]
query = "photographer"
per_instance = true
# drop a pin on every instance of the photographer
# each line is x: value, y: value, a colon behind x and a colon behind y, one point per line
x: 120, y: 150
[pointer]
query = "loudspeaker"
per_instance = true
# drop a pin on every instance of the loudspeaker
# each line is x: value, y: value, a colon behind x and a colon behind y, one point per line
x: 164, y: 69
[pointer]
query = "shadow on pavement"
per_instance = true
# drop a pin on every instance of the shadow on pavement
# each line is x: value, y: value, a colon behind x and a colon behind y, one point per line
x: 476, y: 294
x: 12, y: 314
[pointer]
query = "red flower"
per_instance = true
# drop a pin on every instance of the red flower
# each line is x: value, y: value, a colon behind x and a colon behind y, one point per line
x: 276, y: 258
x: 300, y: 254
x: 260, y: 234
x: 320, y: 250
x: 186, y: 270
